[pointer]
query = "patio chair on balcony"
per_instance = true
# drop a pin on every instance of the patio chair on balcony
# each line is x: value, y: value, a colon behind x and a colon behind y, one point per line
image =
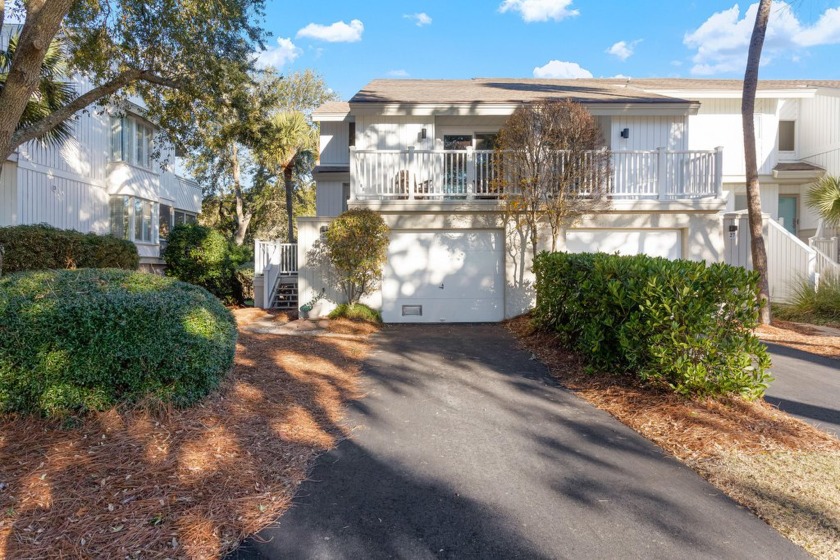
x: 404, y: 184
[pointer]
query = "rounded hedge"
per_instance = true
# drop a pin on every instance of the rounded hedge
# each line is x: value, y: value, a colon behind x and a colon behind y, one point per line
x: 43, y: 247
x: 79, y: 340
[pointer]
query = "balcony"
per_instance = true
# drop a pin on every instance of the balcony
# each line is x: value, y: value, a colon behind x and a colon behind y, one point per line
x: 418, y: 175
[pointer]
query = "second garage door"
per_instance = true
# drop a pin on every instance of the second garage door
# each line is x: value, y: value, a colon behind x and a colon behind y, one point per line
x: 444, y: 276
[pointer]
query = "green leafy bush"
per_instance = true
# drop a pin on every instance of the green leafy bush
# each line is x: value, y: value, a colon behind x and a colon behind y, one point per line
x: 357, y: 242
x: 43, y: 247
x: 244, y: 274
x: 356, y: 312
x: 78, y: 340
x: 202, y: 256
x: 681, y: 323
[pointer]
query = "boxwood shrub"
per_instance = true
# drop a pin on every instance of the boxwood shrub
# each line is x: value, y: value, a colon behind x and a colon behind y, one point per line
x: 679, y: 323
x: 43, y: 247
x: 78, y: 340
x: 203, y: 256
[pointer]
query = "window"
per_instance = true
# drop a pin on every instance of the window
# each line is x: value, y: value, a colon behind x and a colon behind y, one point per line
x: 131, y: 140
x: 133, y: 218
x: 165, y: 221
x: 352, y: 135
x: 182, y: 217
x: 787, y: 136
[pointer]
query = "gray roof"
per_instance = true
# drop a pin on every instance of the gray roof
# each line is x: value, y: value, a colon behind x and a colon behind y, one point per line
x: 523, y: 90
x: 505, y: 90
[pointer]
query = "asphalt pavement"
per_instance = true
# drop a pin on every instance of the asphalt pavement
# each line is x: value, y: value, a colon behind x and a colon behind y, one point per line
x: 465, y: 447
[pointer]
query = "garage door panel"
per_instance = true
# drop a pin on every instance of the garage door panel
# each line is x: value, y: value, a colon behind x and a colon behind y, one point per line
x: 656, y: 243
x: 451, y: 275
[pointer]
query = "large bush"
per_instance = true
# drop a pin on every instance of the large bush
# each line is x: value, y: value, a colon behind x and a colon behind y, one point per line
x: 357, y: 242
x: 681, y: 323
x: 203, y: 256
x: 43, y: 247
x: 77, y: 340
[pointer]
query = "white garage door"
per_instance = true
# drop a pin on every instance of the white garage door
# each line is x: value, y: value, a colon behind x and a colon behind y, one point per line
x: 444, y: 276
x: 656, y: 243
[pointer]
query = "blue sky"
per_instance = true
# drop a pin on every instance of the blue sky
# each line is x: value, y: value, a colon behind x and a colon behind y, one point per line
x: 353, y: 42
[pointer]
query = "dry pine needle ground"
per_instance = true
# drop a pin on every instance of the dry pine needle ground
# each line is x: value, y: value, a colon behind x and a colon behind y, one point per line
x: 783, y: 469
x: 178, y: 483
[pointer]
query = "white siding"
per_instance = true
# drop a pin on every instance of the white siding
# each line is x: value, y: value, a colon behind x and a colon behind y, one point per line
x: 335, y: 144
x: 649, y: 133
x: 61, y: 202
x: 718, y: 123
x: 819, y: 137
x: 85, y: 154
x: 329, y: 198
x: 394, y: 133
x: 8, y: 194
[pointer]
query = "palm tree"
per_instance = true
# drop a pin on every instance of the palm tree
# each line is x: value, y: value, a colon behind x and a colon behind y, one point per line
x: 287, y: 146
x: 53, y: 90
x: 759, y: 251
x: 824, y: 197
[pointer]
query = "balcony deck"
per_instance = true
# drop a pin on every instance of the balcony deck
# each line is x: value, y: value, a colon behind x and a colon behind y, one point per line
x: 468, y: 175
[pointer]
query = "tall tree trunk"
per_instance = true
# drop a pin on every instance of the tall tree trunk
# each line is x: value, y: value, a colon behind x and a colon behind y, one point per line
x: 759, y: 251
x: 43, y: 19
x: 288, y: 183
x: 243, y: 218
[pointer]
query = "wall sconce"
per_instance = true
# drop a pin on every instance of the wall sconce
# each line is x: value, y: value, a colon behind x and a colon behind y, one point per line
x: 625, y: 133
x: 422, y: 133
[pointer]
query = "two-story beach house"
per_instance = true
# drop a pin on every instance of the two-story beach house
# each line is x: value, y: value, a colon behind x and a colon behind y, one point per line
x: 109, y: 177
x: 420, y: 153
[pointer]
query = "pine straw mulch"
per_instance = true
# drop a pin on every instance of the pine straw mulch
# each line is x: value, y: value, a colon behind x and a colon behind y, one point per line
x: 783, y: 469
x: 814, y: 339
x: 178, y: 483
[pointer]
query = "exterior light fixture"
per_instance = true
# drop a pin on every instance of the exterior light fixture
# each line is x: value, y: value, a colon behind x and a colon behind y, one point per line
x: 625, y: 133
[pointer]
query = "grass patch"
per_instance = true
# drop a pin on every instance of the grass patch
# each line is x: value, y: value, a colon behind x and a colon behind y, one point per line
x: 785, y: 470
x: 356, y: 312
x: 818, y: 307
x: 158, y: 482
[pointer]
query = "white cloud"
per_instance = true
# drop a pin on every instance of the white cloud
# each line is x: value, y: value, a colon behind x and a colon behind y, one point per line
x: 398, y: 73
x: 623, y: 49
x: 338, y: 32
x: 421, y: 18
x: 722, y: 41
x: 561, y: 70
x: 540, y: 10
x: 284, y: 53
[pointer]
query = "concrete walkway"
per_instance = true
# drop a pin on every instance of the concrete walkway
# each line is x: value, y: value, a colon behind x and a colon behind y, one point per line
x: 465, y: 448
x: 806, y: 386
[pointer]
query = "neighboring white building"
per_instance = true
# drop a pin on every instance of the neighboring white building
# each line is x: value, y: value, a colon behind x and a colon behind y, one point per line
x: 102, y: 180
x: 419, y: 151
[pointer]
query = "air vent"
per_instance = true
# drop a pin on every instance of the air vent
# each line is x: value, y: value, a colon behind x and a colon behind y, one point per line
x: 412, y: 310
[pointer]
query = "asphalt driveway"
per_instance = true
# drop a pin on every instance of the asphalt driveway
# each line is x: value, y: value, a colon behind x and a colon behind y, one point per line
x: 806, y: 386
x: 465, y: 448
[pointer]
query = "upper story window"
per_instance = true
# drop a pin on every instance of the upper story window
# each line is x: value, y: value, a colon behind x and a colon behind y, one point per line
x: 787, y: 136
x: 131, y: 140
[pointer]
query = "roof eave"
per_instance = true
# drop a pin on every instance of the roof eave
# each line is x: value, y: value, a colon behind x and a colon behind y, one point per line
x: 597, y: 108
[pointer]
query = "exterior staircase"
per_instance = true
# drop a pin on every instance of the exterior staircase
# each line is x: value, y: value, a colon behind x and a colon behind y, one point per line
x: 285, y: 294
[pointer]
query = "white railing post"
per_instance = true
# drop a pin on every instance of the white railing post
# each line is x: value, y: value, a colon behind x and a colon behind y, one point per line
x: 354, y: 171
x: 470, y: 186
x: 719, y: 172
x: 662, y: 173
x: 411, y: 175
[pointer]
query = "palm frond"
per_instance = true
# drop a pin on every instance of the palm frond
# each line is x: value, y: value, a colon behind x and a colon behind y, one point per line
x: 824, y: 197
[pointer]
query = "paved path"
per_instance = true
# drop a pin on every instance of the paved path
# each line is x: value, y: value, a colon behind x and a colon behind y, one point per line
x: 465, y: 448
x: 807, y: 386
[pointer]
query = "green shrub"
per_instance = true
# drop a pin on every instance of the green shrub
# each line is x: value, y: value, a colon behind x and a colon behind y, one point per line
x: 814, y: 306
x: 202, y: 256
x: 78, y: 340
x: 245, y: 277
x: 43, y: 247
x: 357, y: 242
x: 681, y: 323
x: 356, y: 312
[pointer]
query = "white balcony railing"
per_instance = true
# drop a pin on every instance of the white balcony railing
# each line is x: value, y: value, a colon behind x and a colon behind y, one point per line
x: 281, y: 258
x: 469, y: 174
